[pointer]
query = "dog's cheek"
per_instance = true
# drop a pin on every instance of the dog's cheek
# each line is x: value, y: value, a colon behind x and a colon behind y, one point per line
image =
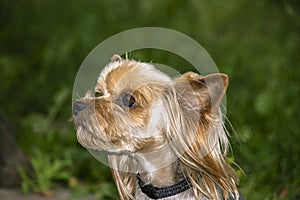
x: 139, y: 116
x: 116, y: 125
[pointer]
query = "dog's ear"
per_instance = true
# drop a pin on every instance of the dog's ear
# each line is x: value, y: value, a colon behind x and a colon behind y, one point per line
x: 208, y: 90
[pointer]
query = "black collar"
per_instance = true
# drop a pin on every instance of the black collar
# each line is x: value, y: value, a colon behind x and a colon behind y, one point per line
x: 157, y: 193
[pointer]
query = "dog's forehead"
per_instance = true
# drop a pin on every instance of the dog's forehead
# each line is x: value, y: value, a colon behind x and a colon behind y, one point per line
x: 105, y: 74
x: 128, y: 75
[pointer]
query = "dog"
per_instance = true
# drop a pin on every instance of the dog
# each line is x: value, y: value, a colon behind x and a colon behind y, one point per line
x: 165, y: 137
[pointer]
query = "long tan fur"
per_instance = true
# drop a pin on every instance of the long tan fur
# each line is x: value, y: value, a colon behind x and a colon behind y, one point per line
x: 201, y: 134
x: 198, y: 137
x: 191, y: 128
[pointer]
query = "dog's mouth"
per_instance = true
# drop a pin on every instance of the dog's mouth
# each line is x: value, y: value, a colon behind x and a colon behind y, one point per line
x: 93, y: 138
x: 86, y: 131
x: 85, y: 137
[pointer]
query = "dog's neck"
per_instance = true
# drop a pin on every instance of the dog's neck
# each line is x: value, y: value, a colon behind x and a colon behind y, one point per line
x: 159, y: 168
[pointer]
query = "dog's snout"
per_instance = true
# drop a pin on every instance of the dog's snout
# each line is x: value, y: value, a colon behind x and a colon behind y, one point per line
x: 78, y: 107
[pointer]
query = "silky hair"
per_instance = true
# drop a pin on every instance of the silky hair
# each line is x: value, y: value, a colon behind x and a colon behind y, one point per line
x: 194, y: 130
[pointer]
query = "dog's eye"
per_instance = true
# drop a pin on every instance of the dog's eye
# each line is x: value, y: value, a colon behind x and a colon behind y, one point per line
x: 128, y: 101
x: 98, y: 93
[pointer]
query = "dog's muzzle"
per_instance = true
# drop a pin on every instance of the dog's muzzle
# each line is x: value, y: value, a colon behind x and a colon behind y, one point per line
x: 78, y: 107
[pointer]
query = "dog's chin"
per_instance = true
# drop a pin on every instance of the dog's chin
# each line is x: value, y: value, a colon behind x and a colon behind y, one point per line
x: 85, y: 138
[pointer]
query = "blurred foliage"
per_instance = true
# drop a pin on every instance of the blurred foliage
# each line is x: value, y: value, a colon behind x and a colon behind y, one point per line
x: 42, y: 44
x: 46, y: 171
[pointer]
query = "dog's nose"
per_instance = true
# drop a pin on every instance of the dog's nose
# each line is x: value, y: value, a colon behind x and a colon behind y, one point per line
x: 78, y: 106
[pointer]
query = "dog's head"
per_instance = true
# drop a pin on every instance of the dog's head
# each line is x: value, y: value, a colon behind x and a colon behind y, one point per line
x: 125, y: 112
x: 137, y: 108
x: 133, y: 104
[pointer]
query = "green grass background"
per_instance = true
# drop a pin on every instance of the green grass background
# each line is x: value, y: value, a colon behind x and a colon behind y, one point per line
x: 257, y: 43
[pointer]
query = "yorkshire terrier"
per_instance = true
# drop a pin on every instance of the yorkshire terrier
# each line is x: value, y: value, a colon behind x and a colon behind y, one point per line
x: 165, y: 137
